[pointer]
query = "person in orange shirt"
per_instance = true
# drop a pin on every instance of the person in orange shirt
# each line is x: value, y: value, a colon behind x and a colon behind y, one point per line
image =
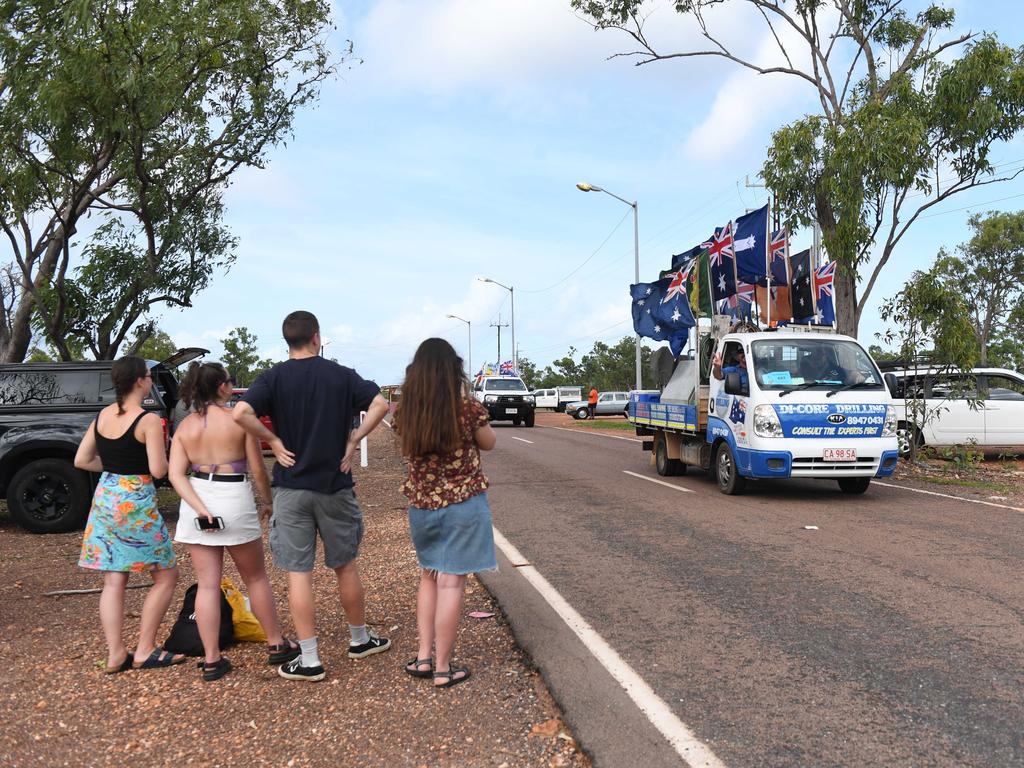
x: 592, y: 401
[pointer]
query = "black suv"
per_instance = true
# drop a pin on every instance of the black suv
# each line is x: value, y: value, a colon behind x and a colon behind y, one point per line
x: 45, y: 409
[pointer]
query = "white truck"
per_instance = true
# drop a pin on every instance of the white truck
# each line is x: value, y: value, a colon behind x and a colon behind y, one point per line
x: 506, y: 398
x: 557, y: 397
x: 802, y: 403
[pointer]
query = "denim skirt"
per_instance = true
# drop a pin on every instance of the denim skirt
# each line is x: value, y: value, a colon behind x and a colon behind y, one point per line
x: 456, y: 539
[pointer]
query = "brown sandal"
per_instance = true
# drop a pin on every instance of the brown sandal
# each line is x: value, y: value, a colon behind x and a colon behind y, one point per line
x: 283, y: 652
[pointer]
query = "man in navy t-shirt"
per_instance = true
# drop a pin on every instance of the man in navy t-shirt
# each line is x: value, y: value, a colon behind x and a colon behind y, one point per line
x: 312, y: 403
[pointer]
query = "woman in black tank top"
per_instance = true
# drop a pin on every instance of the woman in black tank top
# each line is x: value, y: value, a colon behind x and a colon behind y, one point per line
x: 125, y: 532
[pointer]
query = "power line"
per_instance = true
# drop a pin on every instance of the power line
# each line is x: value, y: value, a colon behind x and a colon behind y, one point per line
x: 966, y: 207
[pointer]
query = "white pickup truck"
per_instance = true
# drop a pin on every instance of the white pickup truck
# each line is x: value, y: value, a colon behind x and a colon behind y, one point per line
x: 506, y: 398
x: 557, y: 397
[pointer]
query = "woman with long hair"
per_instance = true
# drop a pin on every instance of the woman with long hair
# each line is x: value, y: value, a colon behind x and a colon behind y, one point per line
x: 442, y: 430
x: 125, y: 532
x: 218, y: 511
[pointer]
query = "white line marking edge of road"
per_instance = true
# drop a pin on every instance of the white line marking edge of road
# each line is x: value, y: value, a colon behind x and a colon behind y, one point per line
x: 659, y: 482
x: 599, y: 434
x: 695, y: 752
x: 521, y: 439
x: 948, y: 496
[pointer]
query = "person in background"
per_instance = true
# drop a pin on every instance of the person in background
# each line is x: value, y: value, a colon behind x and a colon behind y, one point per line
x: 219, y: 453
x: 442, y: 430
x: 125, y: 532
x: 312, y: 402
x: 592, y: 401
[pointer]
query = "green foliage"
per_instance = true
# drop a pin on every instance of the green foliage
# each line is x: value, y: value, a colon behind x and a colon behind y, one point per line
x: 137, y: 114
x: 241, y: 357
x: 528, y: 371
x: 930, y: 315
x: 605, y: 367
x: 988, y: 272
x: 151, y: 343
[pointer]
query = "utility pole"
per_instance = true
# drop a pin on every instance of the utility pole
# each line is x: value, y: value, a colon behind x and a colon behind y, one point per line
x: 499, y: 325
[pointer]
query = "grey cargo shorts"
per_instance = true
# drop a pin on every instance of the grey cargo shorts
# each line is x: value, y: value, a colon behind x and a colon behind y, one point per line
x: 299, y: 515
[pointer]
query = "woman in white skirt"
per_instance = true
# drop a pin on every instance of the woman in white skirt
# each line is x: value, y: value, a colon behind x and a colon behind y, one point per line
x: 218, y: 511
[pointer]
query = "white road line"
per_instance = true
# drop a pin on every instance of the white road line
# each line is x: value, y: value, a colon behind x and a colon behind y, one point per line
x: 599, y: 434
x: 949, y: 496
x: 660, y: 482
x: 521, y: 440
x: 687, y: 746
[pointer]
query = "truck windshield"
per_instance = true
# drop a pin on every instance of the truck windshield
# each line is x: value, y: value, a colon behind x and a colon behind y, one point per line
x: 506, y: 385
x: 813, y: 363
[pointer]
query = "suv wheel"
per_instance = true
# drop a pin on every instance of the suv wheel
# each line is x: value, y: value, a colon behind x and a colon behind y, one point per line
x: 49, y: 496
x: 582, y: 413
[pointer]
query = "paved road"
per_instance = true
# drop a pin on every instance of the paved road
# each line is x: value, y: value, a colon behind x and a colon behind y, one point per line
x: 891, y: 636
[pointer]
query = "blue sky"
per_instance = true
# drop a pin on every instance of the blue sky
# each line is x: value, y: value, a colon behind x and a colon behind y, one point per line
x: 452, y: 153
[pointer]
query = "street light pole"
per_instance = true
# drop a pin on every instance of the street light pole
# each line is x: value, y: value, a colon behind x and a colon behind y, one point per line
x: 469, y: 333
x: 512, y: 293
x: 584, y: 187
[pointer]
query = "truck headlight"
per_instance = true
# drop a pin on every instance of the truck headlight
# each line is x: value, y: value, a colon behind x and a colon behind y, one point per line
x: 889, y: 430
x: 766, y: 422
x: 490, y: 398
x: 528, y: 399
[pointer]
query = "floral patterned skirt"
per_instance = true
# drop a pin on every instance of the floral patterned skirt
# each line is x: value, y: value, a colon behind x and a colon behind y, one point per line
x: 125, y: 531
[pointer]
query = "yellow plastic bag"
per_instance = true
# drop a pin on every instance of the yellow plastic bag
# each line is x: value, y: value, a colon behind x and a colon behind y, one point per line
x: 247, y: 628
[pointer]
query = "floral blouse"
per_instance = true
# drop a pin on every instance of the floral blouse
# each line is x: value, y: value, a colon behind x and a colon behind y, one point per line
x: 440, y: 480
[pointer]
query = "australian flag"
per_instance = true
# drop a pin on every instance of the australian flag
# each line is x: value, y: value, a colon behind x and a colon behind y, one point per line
x: 778, y: 258
x: 824, y: 278
x: 680, y: 260
x: 738, y: 412
x: 645, y: 299
x: 751, y: 246
x: 674, y: 312
x: 801, y: 287
x: 723, y: 264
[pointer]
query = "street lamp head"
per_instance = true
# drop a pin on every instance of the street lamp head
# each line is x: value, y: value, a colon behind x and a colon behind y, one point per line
x: 584, y: 187
x: 485, y: 280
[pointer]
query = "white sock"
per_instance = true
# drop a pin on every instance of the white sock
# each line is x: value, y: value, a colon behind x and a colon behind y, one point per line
x: 310, y: 654
x: 358, y: 635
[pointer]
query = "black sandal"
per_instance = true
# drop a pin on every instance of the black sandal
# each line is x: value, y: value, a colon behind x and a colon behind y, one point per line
x: 283, y: 652
x: 412, y: 667
x: 449, y: 676
x: 217, y: 670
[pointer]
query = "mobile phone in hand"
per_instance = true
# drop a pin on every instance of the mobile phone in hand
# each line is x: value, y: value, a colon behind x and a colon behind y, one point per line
x: 204, y: 524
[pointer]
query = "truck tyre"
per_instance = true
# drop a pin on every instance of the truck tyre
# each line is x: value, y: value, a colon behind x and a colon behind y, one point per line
x: 49, y: 496
x: 530, y: 418
x: 665, y: 466
x: 854, y: 485
x: 581, y: 413
x: 730, y: 482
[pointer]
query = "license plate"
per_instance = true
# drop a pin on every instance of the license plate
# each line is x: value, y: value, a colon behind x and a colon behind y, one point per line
x: 511, y: 410
x: 839, y: 454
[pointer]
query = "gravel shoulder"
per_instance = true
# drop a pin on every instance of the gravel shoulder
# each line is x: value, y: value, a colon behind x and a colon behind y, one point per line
x: 57, y: 707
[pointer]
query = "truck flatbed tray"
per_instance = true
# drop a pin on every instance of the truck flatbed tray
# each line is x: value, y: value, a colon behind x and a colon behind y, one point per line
x: 649, y: 412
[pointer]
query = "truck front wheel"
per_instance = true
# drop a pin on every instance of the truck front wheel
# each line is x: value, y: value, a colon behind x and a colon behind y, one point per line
x: 530, y: 417
x: 730, y: 482
x: 854, y: 485
x: 49, y: 496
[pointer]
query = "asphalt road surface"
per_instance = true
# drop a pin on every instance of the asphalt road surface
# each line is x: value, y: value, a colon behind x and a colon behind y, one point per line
x: 891, y: 636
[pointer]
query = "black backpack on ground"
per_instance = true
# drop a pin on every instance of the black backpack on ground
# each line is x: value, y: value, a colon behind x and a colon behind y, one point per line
x: 184, y: 637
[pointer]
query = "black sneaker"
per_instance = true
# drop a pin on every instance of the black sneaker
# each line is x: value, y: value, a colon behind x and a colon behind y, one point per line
x: 374, y: 645
x: 294, y: 670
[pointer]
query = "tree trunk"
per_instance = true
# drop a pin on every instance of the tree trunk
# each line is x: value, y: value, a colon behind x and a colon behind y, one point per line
x: 844, y: 287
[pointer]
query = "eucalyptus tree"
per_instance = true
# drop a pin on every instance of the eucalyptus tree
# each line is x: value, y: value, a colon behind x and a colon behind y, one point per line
x: 122, y: 122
